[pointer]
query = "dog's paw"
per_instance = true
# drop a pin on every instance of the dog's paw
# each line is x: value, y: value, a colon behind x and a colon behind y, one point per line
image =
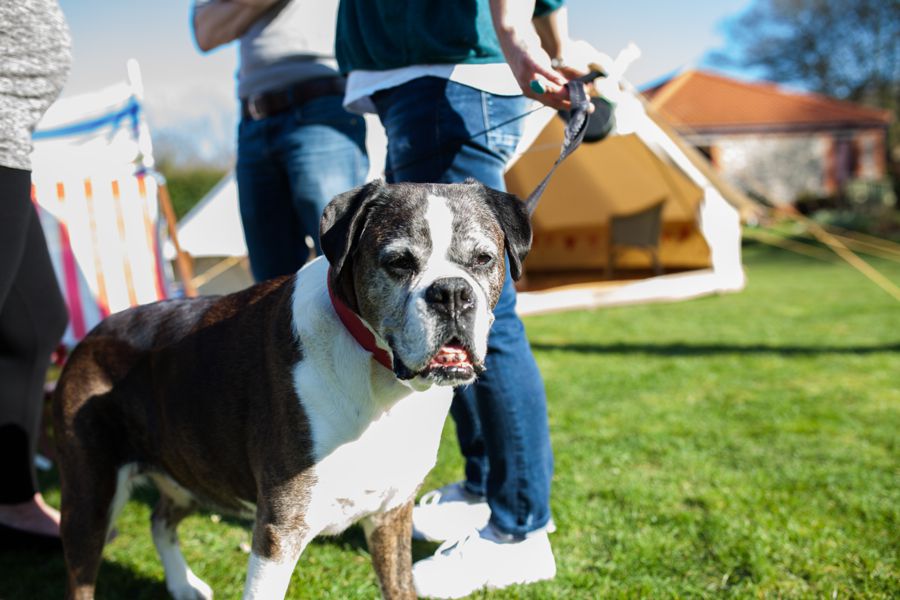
x: 193, y: 589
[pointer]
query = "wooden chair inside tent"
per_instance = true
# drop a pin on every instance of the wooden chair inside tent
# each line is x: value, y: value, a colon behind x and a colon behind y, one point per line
x: 637, y: 230
x: 100, y: 204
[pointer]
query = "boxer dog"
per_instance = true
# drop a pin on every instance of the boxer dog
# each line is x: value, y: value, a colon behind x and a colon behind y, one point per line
x: 307, y: 403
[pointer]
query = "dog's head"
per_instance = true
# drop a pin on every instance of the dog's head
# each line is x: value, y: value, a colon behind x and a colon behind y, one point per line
x: 424, y: 265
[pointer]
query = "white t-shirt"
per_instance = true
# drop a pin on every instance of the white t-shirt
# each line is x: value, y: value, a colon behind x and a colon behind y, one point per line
x: 496, y: 78
x: 293, y: 41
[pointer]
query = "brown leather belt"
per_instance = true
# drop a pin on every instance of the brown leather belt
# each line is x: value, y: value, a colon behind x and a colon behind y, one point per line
x: 260, y: 106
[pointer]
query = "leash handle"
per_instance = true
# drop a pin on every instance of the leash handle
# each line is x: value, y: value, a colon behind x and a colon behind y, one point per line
x: 575, y: 129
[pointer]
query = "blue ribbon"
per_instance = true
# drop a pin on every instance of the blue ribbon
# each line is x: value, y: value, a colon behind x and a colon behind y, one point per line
x: 132, y: 110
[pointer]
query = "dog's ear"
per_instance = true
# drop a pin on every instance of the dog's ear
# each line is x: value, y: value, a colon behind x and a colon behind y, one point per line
x: 343, y: 220
x: 513, y: 218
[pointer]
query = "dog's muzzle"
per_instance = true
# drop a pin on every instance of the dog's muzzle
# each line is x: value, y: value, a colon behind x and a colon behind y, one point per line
x: 453, y: 303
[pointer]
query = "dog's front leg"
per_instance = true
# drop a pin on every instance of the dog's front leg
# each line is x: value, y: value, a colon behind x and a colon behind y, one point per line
x: 278, y: 541
x: 389, y: 536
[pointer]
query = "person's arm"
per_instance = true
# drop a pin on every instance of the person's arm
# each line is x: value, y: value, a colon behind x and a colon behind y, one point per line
x: 529, y: 44
x: 222, y: 21
x: 553, y: 31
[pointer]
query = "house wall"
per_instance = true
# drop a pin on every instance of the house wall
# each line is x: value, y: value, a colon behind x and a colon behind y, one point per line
x: 785, y: 166
x: 780, y: 167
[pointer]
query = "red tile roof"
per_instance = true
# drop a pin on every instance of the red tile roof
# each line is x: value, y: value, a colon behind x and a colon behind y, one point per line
x: 703, y: 101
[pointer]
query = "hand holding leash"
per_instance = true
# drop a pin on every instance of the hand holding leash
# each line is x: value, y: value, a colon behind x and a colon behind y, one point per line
x: 576, y: 127
x: 537, y: 79
x: 528, y: 43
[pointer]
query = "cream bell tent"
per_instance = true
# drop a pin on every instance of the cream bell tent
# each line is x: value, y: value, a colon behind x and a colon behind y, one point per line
x: 675, y: 234
x: 617, y: 177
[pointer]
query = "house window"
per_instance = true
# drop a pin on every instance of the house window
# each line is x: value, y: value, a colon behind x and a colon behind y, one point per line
x: 846, y: 159
x: 867, y: 167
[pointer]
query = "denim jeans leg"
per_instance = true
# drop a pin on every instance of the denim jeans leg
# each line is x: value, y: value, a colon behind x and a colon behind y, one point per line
x: 270, y: 229
x: 436, y: 132
x: 512, y: 405
x: 324, y: 155
x: 290, y: 165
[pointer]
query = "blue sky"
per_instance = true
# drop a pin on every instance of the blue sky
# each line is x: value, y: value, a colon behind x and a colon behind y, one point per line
x: 190, y: 96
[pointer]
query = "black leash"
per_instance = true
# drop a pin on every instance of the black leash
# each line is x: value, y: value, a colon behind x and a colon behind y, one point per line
x: 575, y: 128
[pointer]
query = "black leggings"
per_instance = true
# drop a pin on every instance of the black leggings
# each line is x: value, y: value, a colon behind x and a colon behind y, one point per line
x: 33, y: 317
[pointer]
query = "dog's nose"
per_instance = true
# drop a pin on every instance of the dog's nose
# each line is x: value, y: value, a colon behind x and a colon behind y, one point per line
x: 451, y: 295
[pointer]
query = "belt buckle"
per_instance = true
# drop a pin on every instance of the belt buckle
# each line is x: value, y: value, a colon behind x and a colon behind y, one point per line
x: 252, y: 108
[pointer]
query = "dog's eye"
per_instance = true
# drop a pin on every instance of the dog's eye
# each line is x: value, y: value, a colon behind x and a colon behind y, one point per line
x: 401, y: 264
x: 483, y: 260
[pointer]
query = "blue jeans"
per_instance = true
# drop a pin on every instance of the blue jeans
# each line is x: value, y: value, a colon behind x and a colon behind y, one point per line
x: 501, y: 420
x: 289, y: 166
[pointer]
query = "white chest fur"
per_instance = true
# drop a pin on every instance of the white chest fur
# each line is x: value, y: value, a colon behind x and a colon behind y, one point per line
x: 382, y: 467
x: 374, y: 438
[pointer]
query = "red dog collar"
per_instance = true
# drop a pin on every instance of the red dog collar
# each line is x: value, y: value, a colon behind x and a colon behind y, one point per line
x: 359, y: 329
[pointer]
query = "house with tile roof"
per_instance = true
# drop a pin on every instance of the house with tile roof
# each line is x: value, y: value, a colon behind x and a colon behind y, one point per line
x: 771, y: 142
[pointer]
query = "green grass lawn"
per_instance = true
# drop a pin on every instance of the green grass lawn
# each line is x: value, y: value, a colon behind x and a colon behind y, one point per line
x: 735, y: 446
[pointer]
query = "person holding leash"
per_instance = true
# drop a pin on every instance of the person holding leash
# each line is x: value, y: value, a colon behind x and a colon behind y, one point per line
x: 449, y: 81
x: 297, y: 147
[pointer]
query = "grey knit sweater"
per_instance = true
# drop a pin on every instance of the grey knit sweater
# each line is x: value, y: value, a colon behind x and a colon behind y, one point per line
x: 35, y: 56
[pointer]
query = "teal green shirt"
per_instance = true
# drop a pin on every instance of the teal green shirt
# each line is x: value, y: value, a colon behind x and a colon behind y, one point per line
x: 376, y: 35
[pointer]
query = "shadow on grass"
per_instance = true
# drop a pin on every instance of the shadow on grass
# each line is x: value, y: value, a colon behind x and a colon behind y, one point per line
x: 35, y: 576
x: 39, y: 575
x: 354, y: 539
x: 680, y: 349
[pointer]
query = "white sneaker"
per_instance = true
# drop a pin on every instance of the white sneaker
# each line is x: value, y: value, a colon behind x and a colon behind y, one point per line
x: 449, y: 512
x: 483, y: 560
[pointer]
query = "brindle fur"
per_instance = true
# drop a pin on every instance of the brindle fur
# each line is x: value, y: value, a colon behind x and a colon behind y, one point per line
x: 175, y: 386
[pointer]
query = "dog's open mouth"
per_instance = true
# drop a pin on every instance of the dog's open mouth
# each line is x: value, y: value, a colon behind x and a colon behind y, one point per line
x: 451, y: 355
x: 452, y: 362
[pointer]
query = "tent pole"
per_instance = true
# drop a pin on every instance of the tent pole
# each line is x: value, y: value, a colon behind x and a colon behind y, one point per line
x: 182, y: 263
x: 867, y: 248
x: 773, y: 239
x: 844, y: 252
x: 887, y: 247
x: 215, y: 270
